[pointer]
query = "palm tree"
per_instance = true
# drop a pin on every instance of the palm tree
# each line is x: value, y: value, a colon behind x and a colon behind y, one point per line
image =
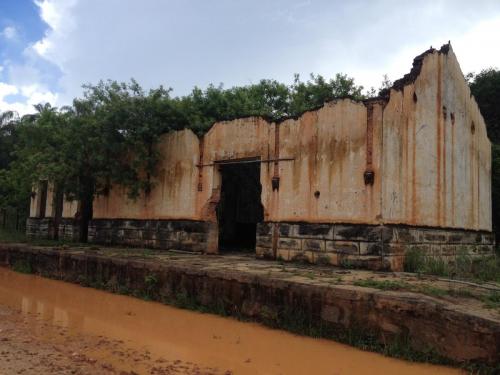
x: 6, y: 117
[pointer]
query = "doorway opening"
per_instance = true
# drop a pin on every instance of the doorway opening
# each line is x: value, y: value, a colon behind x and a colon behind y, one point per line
x: 240, y: 208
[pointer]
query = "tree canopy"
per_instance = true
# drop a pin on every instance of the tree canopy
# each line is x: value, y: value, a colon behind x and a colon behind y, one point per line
x: 485, y: 86
x: 108, y: 136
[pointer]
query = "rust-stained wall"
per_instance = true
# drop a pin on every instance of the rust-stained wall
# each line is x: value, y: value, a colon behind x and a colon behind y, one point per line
x: 329, y: 147
x: 436, y: 154
x: 328, y: 152
x: 425, y: 142
x: 237, y: 139
x: 175, y: 193
x: 69, y: 210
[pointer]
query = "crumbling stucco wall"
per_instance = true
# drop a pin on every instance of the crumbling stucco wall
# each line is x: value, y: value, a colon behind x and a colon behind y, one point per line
x: 322, y: 162
x: 436, y: 154
x: 174, y: 195
x: 69, y: 209
x: 246, y: 138
x: 325, y: 181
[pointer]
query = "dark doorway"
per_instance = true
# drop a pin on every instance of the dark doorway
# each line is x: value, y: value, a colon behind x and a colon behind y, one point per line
x: 239, y: 209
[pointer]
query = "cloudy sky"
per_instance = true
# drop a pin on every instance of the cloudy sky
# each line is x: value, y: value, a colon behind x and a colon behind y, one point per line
x: 49, y: 48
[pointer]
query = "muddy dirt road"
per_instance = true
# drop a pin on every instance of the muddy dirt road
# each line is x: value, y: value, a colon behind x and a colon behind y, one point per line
x: 50, y: 327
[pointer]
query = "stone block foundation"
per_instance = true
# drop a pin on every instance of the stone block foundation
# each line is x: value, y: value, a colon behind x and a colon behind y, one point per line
x: 40, y: 228
x: 188, y: 235
x: 377, y: 247
x: 44, y: 228
x: 69, y: 230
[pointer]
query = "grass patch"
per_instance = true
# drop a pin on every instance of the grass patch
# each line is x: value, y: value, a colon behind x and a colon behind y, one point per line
x: 465, y: 267
x: 10, y: 235
x: 22, y: 266
x: 432, y: 290
x: 492, y: 301
x: 383, y: 284
x: 429, y: 290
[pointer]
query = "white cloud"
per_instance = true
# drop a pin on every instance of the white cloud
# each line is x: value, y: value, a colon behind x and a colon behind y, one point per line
x: 9, y: 32
x: 181, y: 44
x: 478, y: 47
x: 25, y: 91
x: 58, y: 15
x: 6, y: 89
x: 31, y: 95
x: 21, y: 87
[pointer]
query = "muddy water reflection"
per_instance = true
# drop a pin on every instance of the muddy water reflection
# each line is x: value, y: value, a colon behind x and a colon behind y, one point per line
x: 207, y: 340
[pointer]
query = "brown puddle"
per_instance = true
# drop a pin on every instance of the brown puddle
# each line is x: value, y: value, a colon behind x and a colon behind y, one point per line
x: 205, y: 343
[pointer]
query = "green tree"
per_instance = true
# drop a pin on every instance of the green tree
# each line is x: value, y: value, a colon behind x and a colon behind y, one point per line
x: 268, y: 98
x: 485, y: 87
x: 314, y: 92
x: 14, y: 198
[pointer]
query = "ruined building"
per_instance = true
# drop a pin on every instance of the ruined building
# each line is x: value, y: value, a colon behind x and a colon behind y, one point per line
x: 353, y: 182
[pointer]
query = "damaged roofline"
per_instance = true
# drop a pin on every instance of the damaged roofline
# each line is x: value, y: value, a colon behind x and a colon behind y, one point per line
x: 410, y: 77
x: 382, y: 98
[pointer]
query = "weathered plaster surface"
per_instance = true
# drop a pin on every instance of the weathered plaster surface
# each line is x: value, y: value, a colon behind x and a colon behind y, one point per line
x: 175, y: 193
x: 436, y: 154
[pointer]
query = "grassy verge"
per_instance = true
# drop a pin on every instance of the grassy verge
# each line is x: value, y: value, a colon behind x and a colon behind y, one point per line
x: 13, y: 236
x: 465, y: 267
x: 10, y: 235
x: 490, y: 300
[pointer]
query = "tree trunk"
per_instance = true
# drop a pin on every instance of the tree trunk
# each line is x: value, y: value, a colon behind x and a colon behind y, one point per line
x: 58, y: 204
x: 86, y: 207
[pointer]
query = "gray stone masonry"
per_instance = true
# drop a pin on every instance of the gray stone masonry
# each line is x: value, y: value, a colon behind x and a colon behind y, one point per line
x: 158, y: 234
x: 40, y: 228
x: 43, y: 228
x: 366, y: 246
